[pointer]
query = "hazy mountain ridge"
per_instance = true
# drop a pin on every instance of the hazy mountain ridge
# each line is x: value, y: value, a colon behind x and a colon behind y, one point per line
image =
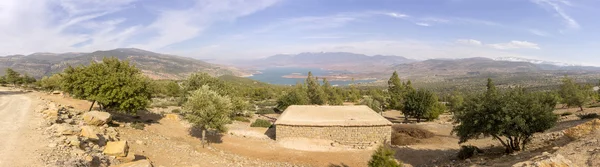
x: 478, y: 65
x: 154, y: 65
x: 534, y: 61
x: 329, y: 60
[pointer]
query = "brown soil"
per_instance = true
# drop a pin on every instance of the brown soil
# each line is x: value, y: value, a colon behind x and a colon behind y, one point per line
x: 404, y: 134
x: 169, y: 142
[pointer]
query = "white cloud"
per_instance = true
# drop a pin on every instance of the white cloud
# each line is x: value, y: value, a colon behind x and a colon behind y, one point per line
x: 515, y: 45
x: 396, y: 15
x: 469, y: 42
x: 555, y: 5
x: 423, y: 24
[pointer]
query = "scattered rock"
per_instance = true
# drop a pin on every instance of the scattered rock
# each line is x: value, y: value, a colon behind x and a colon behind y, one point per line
x: 90, y: 133
x: 118, y: 148
x: 96, y: 118
x: 546, y: 161
x: 129, y: 158
x: 74, y: 141
x: 66, y: 129
x: 140, y: 163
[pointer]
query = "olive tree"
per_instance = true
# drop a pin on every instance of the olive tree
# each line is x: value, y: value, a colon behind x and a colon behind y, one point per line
x: 113, y: 84
x: 421, y: 104
x: 208, y: 109
x: 511, y: 117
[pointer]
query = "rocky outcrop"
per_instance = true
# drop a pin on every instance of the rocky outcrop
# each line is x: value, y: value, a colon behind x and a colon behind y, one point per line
x: 583, y: 129
x: 96, y: 118
x: 78, y: 139
x: 547, y: 160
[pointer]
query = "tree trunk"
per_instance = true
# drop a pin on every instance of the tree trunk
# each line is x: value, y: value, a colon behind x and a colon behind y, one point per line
x: 581, y: 107
x: 203, y: 137
x: 92, y: 105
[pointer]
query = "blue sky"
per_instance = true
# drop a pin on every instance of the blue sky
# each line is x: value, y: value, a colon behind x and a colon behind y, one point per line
x: 556, y: 30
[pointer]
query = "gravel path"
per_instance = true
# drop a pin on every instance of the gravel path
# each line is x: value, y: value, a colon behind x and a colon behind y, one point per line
x: 19, y: 130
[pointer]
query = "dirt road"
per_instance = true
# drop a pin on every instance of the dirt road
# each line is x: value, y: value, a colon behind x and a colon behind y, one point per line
x: 20, y: 138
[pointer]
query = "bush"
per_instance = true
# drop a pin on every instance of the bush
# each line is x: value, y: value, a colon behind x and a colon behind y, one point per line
x: 566, y: 114
x: 138, y: 125
x: 241, y: 119
x: 176, y: 111
x: 384, y: 157
x: 588, y: 116
x: 261, y: 123
x: 265, y: 111
x: 468, y: 151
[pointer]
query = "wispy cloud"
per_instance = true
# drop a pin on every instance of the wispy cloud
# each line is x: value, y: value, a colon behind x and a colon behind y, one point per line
x: 539, y: 32
x: 423, y: 24
x: 323, y: 37
x: 502, y: 46
x: 173, y: 26
x: 515, y: 45
x: 310, y: 22
x: 469, y: 42
x: 557, y: 7
x: 396, y: 15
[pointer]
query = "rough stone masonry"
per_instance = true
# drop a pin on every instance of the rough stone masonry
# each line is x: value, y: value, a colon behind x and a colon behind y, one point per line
x: 349, y: 126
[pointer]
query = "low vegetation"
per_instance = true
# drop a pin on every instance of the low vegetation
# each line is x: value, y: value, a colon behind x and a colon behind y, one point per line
x: 384, y: 157
x: 588, y: 116
x: 261, y: 123
x: 468, y: 152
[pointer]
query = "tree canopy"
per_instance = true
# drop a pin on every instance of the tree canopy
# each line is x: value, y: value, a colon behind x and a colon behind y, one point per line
x: 113, y: 84
x: 511, y: 117
x: 396, y: 91
x: 421, y: 104
x: 573, y: 94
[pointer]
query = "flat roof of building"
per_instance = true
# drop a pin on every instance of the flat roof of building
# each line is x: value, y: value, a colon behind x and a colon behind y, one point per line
x: 313, y: 115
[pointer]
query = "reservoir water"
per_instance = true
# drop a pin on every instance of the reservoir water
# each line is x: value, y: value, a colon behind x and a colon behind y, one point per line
x: 275, y: 75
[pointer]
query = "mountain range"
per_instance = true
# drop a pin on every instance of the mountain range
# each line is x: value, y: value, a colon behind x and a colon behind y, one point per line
x: 154, y: 65
x: 164, y: 66
x: 342, y: 61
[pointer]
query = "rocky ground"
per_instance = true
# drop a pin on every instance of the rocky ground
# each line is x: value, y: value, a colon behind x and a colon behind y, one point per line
x: 58, y: 131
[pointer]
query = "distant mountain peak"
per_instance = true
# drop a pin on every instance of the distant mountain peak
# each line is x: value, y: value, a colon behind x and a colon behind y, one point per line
x: 534, y: 61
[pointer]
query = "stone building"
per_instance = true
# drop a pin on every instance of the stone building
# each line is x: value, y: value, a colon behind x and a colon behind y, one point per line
x: 349, y: 126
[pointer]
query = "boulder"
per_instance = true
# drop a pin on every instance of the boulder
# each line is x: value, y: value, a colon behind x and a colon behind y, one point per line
x: 50, y: 114
x: 90, y: 133
x: 66, y: 129
x: 96, y: 118
x: 117, y: 148
x: 140, y: 163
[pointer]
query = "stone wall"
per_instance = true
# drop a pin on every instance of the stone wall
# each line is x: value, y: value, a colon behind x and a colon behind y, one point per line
x: 350, y: 136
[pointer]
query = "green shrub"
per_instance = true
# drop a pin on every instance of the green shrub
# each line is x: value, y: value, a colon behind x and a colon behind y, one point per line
x: 241, y: 119
x: 138, y: 125
x: 468, y: 151
x: 261, y: 123
x: 384, y: 157
x: 566, y: 114
x: 588, y: 116
x: 176, y: 111
x: 265, y: 111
